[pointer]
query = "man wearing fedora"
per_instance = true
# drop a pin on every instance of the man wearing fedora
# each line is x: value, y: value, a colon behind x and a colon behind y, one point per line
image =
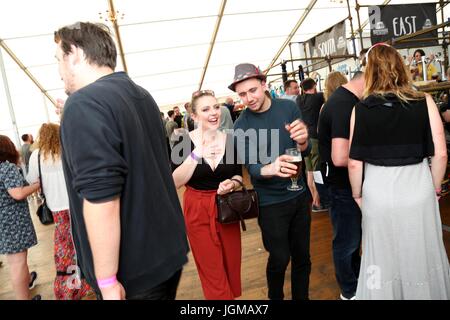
x: 275, y: 125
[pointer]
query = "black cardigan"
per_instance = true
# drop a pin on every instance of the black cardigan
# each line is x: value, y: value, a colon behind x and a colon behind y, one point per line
x: 391, y: 132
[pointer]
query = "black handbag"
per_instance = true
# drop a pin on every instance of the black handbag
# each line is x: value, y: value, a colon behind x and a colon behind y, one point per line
x: 237, y: 206
x: 43, y: 212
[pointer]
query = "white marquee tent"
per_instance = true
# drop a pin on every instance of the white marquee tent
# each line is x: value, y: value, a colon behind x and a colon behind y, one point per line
x: 170, y: 47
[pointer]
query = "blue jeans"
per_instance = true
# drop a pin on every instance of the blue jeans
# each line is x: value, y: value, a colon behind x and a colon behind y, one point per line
x: 346, y: 220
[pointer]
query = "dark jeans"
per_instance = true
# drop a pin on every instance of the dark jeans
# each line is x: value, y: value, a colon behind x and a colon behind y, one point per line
x: 346, y: 220
x: 323, y: 191
x: 286, y: 232
x: 164, y: 291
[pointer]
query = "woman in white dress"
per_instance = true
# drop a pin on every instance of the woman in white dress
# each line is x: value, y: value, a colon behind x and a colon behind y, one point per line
x: 394, y: 131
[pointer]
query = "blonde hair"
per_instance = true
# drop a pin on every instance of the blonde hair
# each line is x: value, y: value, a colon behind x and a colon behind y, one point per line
x: 199, y: 94
x: 48, y: 141
x: 386, y: 73
x: 334, y: 80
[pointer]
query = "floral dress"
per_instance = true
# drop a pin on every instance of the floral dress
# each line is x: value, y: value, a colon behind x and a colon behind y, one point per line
x: 68, y: 284
x: 17, y: 232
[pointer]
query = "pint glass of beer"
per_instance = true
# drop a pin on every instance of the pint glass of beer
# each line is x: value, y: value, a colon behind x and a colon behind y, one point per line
x: 297, y: 160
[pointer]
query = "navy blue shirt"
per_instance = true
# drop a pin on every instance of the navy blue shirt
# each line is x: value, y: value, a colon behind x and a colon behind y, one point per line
x: 268, y: 140
x: 114, y: 145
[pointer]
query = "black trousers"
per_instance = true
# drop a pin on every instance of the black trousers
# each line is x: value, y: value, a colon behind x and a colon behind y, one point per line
x: 286, y: 236
x: 164, y: 291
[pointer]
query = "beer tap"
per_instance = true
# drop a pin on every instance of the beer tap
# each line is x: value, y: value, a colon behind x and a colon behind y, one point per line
x: 424, y: 68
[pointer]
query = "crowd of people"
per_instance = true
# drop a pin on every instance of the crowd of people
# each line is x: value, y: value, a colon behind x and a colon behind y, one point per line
x: 374, y: 152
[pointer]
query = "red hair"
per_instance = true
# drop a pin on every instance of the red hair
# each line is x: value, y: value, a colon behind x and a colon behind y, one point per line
x: 8, y: 151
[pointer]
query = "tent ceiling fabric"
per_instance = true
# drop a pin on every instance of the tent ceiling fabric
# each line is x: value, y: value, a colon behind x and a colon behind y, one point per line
x: 166, y: 45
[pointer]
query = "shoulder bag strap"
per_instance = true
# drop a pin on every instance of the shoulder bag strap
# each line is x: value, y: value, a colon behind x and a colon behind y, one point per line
x: 40, y: 175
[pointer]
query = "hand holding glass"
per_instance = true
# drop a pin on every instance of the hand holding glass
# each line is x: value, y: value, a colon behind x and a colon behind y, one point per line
x: 296, y: 156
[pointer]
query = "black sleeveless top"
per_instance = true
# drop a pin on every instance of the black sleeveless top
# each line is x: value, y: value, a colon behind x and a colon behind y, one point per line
x: 204, y: 178
x: 390, y: 132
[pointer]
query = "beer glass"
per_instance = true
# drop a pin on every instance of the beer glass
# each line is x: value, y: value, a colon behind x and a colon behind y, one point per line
x: 297, y: 160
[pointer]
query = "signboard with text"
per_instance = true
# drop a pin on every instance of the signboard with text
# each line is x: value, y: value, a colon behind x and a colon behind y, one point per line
x: 331, y: 42
x: 394, y: 21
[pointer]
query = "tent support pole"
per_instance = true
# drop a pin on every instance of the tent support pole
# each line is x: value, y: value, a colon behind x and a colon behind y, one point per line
x: 8, y: 98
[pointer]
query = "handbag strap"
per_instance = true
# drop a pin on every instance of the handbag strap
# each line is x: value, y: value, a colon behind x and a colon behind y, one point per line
x: 246, y: 192
x: 242, y: 185
x: 40, y: 175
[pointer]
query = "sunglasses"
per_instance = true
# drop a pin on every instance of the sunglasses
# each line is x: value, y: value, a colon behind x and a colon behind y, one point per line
x: 375, y: 45
x: 200, y: 93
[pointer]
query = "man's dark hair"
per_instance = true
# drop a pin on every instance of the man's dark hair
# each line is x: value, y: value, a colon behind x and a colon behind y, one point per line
x: 287, y: 84
x: 357, y: 75
x: 170, y: 113
x: 25, y: 137
x: 94, y: 39
x: 422, y: 53
x: 308, y: 84
x: 362, y: 57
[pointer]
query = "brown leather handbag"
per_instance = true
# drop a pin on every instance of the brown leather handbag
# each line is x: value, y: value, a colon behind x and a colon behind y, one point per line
x: 237, y: 206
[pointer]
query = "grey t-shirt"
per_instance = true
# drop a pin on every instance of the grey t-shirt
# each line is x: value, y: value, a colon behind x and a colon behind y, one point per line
x: 226, y: 122
x: 25, y: 153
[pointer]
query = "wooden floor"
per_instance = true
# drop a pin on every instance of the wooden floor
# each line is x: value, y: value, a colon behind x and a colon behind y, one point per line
x: 322, y: 282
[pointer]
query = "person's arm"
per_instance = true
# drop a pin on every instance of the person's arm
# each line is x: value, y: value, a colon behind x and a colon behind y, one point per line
x: 229, y: 185
x: 299, y: 133
x: 446, y: 115
x: 103, y: 228
x: 184, y: 172
x: 298, y: 130
x: 33, y: 169
x: 14, y: 183
x: 281, y: 167
x: 22, y: 193
x: 355, y: 168
x: 439, y: 160
x: 339, y: 152
x: 92, y: 146
x: 313, y: 189
x: 340, y: 133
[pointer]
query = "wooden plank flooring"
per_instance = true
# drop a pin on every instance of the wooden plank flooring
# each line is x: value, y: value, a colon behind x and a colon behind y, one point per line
x: 322, y: 282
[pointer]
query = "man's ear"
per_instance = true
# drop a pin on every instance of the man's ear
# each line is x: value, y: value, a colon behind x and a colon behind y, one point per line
x: 264, y: 85
x: 76, y: 55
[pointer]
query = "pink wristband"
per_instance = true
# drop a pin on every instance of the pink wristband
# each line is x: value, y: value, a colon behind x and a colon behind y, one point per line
x: 105, y: 283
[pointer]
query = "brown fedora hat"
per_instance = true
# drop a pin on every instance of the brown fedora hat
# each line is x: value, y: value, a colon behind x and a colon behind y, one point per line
x: 246, y: 71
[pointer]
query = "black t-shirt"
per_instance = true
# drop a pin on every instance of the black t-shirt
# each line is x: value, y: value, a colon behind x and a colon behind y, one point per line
x: 310, y: 105
x: 204, y: 178
x: 114, y: 145
x: 391, y: 132
x: 334, y: 122
x: 179, y: 121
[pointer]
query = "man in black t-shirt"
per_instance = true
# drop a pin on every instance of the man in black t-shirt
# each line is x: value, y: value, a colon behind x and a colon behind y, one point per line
x: 310, y: 104
x: 178, y: 117
x: 334, y: 133
x: 127, y: 224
